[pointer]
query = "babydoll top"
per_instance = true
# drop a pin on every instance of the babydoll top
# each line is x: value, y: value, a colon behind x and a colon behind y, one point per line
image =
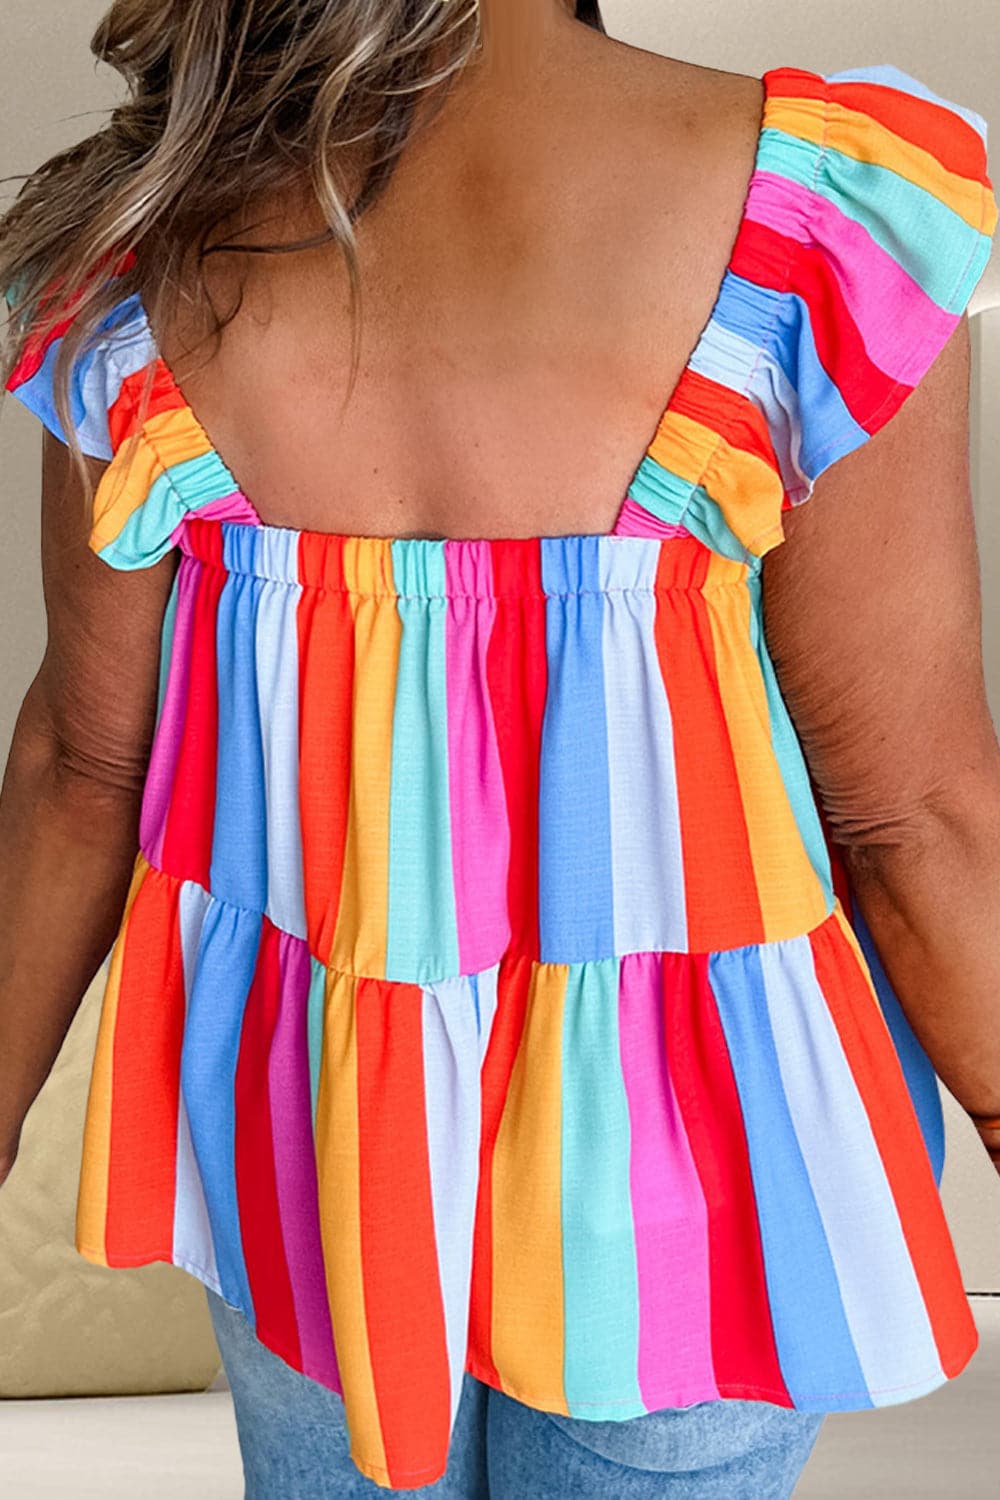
x: 488, y: 994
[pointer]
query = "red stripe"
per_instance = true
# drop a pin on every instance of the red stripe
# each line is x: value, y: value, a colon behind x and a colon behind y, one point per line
x: 760, y: 255
x: 723, y: 905
x: 256, y: 1182
x: 123, y: 410
x: 145, y: 1090
x: 933, y: 127
x: 35, y: 347
x: 404, y: 1310
x: 513, y: 986
x: 744, y: 1352
x: 325, y: 625
x: 878, y: 1075
x: 517, y: 675
x: 727, y: 412
x: 188, y: 833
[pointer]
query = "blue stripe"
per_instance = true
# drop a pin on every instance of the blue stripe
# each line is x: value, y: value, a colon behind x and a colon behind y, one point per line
x: 238, y: 871
x: 819, y: 1362
x: 224, y: 969
x: 918, y: 1070
x: 576, y: 910
x: 879, y: 1289
x: 830, y: 431
x: 600, y: 1274
x: 422, y: 937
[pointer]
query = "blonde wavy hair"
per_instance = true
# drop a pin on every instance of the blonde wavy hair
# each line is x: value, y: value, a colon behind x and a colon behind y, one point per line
x: 226, y: 100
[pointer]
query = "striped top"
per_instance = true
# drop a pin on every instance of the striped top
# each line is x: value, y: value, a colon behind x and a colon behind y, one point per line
x: 488, y: 994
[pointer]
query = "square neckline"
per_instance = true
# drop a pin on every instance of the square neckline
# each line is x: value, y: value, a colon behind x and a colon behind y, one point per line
x: 236, y: 490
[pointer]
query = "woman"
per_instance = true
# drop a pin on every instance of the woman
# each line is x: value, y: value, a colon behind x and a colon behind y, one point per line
x: 499, y: 1019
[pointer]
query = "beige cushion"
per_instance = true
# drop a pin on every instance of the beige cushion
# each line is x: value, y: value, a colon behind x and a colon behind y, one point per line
x: 68, y: 1328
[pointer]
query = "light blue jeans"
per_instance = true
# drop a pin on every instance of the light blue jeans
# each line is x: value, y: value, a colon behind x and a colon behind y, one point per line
x: 294, y: 1442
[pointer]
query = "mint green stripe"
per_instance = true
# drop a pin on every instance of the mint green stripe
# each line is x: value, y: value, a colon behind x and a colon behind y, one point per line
x: 145, y: 537
x: 167, y: 641
x: 673, y: 500
x: 422, y: 940
x: 600, y: 1275
x: 931, y: 242
x: 314, y: 1025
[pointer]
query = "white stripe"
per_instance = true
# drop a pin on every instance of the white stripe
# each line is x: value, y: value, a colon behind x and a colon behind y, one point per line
x: 647, y: 861
x: 878, y: 1284
x: 452, y: 1102
x: 193, y: 1247
x: 277, y: 658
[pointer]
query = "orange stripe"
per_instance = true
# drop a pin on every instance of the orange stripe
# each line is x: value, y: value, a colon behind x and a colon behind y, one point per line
x: 403, y: 1302
x: 124, y: 409
x: 867, y: 1043
x: 513, y: 979
x: 145, y: 1089
x: 933, y: 127
x: 92, y: 1200
x: 339, y: 1214
x: 792, y: 896
x: 528, y: 1304
x: 723, y: 906
x: 729, y: 413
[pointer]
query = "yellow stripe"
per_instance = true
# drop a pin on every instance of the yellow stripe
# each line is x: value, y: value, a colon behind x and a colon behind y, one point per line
x: 791, y: 894
x: 167, y: 438
x: 122, y: 488
x: 359, y: 942
x: 858, y: 135
x: 746, y: 488
x: 528, y: 1319
x: 92, y: 1199
x: 339, y: 1183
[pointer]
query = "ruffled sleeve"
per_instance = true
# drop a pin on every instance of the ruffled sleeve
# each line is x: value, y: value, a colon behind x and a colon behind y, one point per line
x: 161, y: 465
x: 896, y: 214
x: 92, y: 387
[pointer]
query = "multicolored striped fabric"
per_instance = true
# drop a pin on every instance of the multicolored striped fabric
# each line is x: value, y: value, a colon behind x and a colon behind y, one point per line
x: 488, y: 994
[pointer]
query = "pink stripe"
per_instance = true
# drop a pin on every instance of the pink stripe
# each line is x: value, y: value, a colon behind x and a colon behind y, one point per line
x: 668, y: 1205
x: 632, y: 520
x: 870, y: 279
x: 170, y: 727
x: 295, y: 1164
x: 232, y: 507
x: 480, y: 834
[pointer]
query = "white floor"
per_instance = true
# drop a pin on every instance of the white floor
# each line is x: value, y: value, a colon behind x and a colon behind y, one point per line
x: 945, y: 1445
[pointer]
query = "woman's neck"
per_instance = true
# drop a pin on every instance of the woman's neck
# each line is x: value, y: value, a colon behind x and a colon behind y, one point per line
x: 518, y: 36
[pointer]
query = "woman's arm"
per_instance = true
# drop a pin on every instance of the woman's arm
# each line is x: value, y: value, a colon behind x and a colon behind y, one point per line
x: 72, y: 790
x: 872, y: 614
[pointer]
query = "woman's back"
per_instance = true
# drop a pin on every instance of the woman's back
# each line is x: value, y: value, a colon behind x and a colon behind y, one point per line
x: 534, y: 280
